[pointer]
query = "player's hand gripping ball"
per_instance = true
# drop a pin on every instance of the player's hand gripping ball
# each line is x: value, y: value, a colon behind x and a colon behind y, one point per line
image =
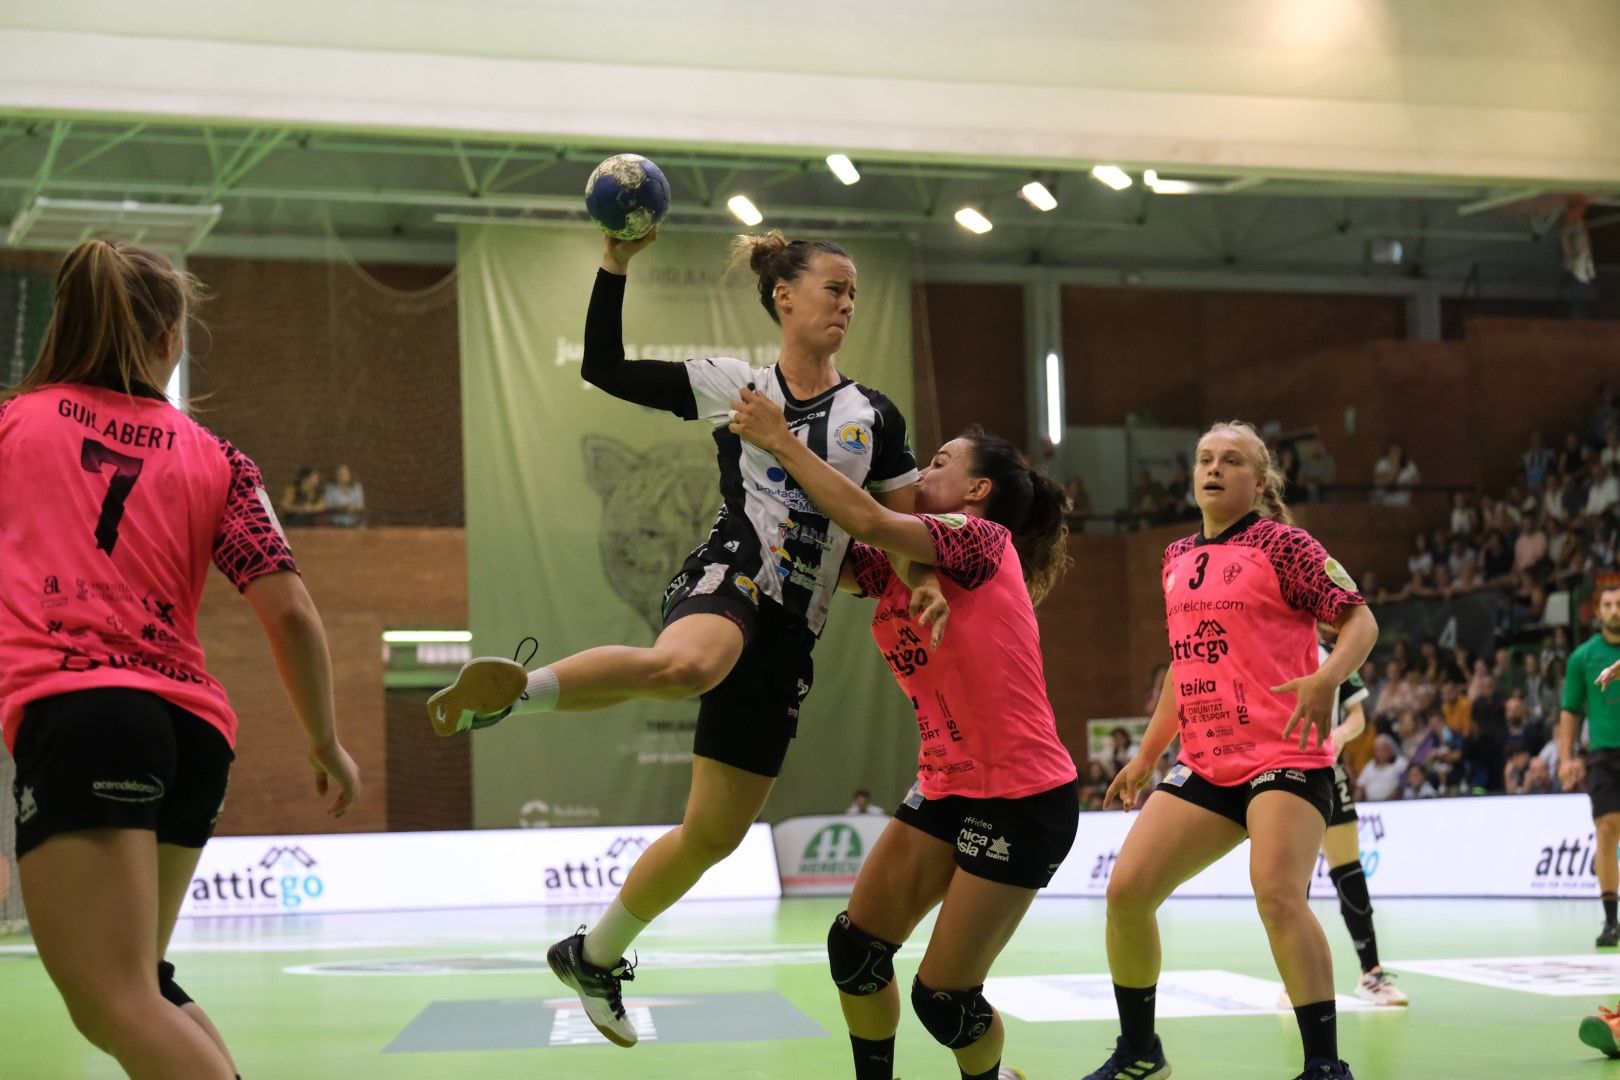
x: 626, y: 196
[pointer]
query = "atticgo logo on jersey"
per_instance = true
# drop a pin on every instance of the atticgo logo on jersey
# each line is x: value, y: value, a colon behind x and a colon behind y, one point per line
x: 746, y: 586
x: 1207, y: 643
x: 855, y: 438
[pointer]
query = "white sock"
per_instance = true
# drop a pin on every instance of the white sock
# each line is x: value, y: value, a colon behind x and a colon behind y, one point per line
x: 612, y: 936
x: 542, y: 690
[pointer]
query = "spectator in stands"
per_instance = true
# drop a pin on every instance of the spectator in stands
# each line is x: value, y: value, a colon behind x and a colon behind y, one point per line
x: 1406, y: 733
x: 345, y: 499
x: 1555, y: 498
x: 1570, y: 457
x: 1539, y: 780
x: 1530, y: 549
x: 1540, y: 694
x: 1501, y: 515
x: 1395, y: 694
x: 863, y: 804
x: 1440, y: 748
x: 1120, y: 749
x: 1317, y: 470
x: 1536, y: 462
x: 1488, y: 710
x: 1604, y: 494
x: 1610, y: 454
x: 1387, y: 473
x: 1146, y: 497
x: 301, y: 500
x: 1079, y: 499
x: 1420, y: 563
x: 1417, y: 784
x: 1495, y: 560
x: 1380, y: 778
x: 1517, y: 768
x: 1555, y: 652
x: 1464, y: 521
x: 1176, y: 501
x: 1605, y: 414
x: 1504, y: 670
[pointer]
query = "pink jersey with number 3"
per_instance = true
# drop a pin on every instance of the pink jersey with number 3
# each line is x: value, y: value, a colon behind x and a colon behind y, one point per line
x: 111, y: 509
x: 1242, y: 611
x: 987, y: 726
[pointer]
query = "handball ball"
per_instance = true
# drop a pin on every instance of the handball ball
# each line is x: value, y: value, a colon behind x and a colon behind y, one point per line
x: 626, y: 196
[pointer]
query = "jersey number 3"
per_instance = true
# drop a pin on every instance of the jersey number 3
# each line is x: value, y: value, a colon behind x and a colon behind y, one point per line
x: 126, y: 470
x: 1200, y: 564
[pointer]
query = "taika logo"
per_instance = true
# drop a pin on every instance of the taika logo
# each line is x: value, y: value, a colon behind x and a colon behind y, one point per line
x: 283, y: 878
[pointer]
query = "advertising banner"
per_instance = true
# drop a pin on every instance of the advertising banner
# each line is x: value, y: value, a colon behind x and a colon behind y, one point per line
x: 318, y: 875
x: 821, y: 855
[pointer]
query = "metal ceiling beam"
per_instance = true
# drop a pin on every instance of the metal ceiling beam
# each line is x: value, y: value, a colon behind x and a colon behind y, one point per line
x: 1496, y: 202
x: 42, y: 175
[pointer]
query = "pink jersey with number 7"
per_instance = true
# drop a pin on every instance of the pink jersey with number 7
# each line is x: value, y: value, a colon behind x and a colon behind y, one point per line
x: 111, y: 509
x: 1242, y: 612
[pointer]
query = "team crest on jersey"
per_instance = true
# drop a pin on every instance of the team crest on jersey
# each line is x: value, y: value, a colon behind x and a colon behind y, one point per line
x: 1338, y: 575
x: 1231, y: 572
x: 746, y: 586
x: 855, y: 438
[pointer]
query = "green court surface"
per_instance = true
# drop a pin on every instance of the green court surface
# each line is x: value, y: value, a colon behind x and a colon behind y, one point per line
x: 739, y: 990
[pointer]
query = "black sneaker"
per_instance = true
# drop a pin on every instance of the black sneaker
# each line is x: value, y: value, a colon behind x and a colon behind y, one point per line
x: 484, y: 693
x: 598, y: 988
x: 1323, y: 1069
x: 1609, y: 936
x: 1126, y: 1064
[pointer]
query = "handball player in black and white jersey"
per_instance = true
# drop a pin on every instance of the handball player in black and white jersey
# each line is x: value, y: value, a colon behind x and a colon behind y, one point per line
x: 743, y: 612
x: 1341, y: 846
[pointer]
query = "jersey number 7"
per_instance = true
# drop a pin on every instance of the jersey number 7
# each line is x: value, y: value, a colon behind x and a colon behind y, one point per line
x: 126, y: 470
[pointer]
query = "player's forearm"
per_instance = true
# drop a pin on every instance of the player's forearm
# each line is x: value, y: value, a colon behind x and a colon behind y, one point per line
x: 1162, y: 728
x: 1358, y: 633
x: 1568, y: 726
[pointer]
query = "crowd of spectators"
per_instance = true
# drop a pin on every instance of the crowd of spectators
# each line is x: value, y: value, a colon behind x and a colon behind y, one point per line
x: 311, y: 500
x: 1441, y: 720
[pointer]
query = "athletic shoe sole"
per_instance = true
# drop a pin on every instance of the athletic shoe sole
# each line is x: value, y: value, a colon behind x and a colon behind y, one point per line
x: 1596, y: 1034
x: 483, y: 687
x: 565, y: 977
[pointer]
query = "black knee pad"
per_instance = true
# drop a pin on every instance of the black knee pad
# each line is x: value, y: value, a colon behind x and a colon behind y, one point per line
x: 861, y: 964
x: 955, y: 1018
x: 170, y: 989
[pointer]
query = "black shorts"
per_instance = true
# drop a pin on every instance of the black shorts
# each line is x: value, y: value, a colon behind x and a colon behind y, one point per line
x: 1603, y: 781
x: 1315, y: 786
x: 1344, y: 799
x: 117, y: 759
x: 749, y: 719
x: 1018, y: 842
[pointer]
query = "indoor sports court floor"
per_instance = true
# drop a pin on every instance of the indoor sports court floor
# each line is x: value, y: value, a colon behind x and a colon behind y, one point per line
x: 738, y: 990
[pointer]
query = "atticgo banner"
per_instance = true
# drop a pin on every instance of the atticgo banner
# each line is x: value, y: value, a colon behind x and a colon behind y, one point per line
x: 297, y: 875
x: 1498, y: 846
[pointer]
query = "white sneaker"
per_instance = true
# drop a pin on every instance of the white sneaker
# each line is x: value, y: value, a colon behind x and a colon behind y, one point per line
x: 1007, y: 1072
x: 1377, y: 987
x: 483, y: 694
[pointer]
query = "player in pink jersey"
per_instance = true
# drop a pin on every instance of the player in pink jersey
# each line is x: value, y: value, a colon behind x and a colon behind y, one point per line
x: 995, y: 806
x: 1243, y: 598
x: 112, y: 504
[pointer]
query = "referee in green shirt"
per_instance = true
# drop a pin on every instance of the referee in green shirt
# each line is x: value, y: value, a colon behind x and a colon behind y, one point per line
x: 1591, y: 690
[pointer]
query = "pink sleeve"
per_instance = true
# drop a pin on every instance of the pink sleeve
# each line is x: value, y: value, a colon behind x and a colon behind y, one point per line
x: 872, y: 570
x: 1310, y: 578
x: 248, y: 542
x: 968, y: 549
